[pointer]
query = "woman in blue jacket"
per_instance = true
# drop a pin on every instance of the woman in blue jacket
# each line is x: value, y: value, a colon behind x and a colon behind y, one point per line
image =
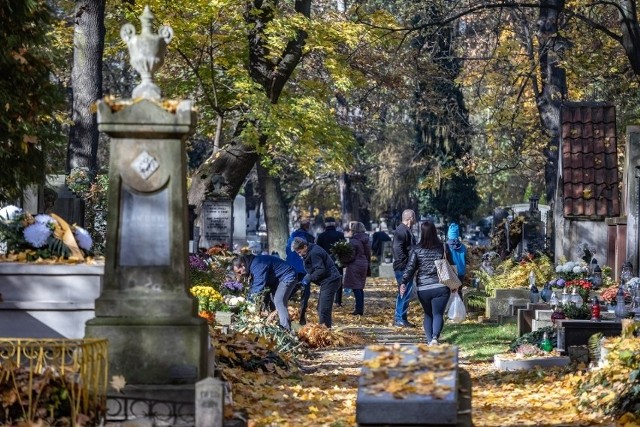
x: 271, y: 274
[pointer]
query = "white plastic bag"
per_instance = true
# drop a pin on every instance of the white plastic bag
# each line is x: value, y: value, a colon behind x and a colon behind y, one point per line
x: 457, y: 313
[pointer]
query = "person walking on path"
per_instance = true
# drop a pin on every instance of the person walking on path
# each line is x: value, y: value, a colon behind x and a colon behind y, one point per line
x: 296, y: 262
x: 377, y: 242
x: 403, y: 241
x: 432, y: 294
x: 457, y: 249
x: 271, y: 274
x: 322, y: 271
x: 328, y: 238
x: 356, y: 271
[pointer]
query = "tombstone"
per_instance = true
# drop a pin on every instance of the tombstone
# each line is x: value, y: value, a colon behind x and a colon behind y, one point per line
x: 527, y: 315
x: 216, y: 223
x: 432, y: 394
x: 239, y: 222
x: 66, y: 204
x: 145, y: 303
x: 533, y: 229
x: 209, y: 403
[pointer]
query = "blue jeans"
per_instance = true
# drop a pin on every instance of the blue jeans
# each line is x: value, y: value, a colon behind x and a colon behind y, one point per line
x: 325, y: 302
x: 402, y: 301
x: 433, y: 302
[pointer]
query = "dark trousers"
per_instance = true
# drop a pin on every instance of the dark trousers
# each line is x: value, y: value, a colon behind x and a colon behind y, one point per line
x: 304, y: 300
x: 339, y: 292
x: 359, y: 296
x: 433, y: 302
x: 325, y: 302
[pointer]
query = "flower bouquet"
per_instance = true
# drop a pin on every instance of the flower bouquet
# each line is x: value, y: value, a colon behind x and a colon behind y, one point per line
x: 209, y: 301
x: 343, y: 252
x: 24, y: 237
x: 608, y: 296
x: 583, y: 287
x: 573, y: 269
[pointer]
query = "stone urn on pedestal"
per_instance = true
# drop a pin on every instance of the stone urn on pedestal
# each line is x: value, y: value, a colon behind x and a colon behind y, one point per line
x: 145, y: 309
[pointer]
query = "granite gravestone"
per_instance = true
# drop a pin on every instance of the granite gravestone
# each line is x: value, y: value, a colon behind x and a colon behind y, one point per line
x: 217, y: 223
x: 145, y: 309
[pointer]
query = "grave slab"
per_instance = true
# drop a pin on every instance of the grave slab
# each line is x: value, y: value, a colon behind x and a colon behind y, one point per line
x: 539, y: 324
x: 577, y: 332
x: 433, y: 369
x: 544, y: 315
x: 505, y: 364
x: 526, y: 316
x: 502, y: 306
x: 386, y: 270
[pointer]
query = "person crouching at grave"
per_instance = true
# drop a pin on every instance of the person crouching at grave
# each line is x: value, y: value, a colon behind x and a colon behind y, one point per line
x: 432, y: 294
x: 271, y: 275
x: 322, y: 271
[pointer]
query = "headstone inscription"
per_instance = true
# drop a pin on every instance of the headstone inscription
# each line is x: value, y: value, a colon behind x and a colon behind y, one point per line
x: 209, y: 403
x: 217, y: 223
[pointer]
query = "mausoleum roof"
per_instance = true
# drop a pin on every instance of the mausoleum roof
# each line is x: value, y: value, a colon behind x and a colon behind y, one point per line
x: 589, y: 160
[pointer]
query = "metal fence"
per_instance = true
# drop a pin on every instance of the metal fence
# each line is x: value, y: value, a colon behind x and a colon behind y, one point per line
x: 50, y: 378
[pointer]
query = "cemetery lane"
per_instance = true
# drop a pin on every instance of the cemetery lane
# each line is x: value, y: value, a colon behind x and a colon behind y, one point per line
x: 323, y: 390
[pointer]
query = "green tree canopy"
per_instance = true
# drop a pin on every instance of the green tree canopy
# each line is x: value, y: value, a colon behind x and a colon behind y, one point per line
x: 30, y: 130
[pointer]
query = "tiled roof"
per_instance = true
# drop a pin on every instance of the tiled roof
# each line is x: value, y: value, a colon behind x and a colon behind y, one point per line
x: 589, y: 160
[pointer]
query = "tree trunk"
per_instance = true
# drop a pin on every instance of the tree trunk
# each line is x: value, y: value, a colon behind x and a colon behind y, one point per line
x: 346, y: 207
x: 86, y: 80
x: 232, y: 163
x: 554, y: 87
x: 630, y: 33
x: 275, y: 211
x: 235, y: 161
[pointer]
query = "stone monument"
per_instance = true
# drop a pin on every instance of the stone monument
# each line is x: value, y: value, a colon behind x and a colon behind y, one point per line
x: 145, y: 310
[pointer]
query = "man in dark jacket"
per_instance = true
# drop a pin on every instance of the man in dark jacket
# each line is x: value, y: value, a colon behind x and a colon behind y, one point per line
x: 296, y: 262
x: 403, y: 241
x: 271, y: 274
x: 326, y: 239
x: 322, y: 271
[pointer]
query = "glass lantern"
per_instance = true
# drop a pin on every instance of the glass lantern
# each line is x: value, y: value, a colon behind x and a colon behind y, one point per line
x: 553, y: 301
x: 620, y: 310
x: 576, y: 298
x: 565, y: 296
x: 596, y: 277
x: 626, y: 273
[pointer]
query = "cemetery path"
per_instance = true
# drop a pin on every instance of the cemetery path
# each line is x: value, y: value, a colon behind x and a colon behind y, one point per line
x: 327, y: 393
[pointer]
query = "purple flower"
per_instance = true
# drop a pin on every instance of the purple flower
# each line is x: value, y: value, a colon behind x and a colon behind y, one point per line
x: 37, y: 234
x: 560, y: 283
x: 197, y: 263
x: 82, y: 237
x: 233, y: 285
x: 44, y: 219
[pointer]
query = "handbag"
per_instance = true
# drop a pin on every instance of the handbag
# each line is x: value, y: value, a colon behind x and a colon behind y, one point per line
x: 447, y: 273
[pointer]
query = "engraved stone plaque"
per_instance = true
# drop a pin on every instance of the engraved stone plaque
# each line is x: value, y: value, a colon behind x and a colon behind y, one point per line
x: 144, y: 229
x: 209, y: 403
x: 217, y: 222
x: 145, y: 165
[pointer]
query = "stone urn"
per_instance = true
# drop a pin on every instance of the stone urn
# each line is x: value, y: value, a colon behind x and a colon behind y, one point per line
x: 147, y: 51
